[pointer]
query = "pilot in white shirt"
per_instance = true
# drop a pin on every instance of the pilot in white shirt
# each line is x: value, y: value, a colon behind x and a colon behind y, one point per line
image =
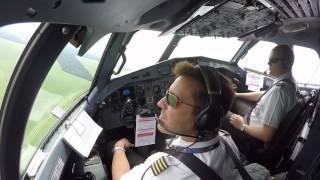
x: 163, y: 166
x: 192, y: 109
x: 272, y: 106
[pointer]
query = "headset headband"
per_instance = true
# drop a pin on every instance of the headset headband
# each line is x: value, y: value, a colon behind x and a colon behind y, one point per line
x: 213, y: 84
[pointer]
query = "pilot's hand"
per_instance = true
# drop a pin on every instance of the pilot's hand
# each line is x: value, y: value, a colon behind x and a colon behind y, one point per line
x: 237, y: 121
x: 228, y: 114
x: 124, y: 143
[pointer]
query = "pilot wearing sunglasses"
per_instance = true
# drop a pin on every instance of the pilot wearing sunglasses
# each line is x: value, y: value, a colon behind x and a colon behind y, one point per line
x: 183, y: 105
x: 271, y: 105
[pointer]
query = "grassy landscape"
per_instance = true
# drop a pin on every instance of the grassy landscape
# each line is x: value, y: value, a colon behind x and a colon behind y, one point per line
x: 60, y: 88
x: 7, y: 62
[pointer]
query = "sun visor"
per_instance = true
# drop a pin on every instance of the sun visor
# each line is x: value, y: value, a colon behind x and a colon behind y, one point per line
x: 90, y: 38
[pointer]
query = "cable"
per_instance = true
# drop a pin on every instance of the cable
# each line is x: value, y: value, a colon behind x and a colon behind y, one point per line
x: 198, y: 137
x: 145, y: 172
x: 181, y: 149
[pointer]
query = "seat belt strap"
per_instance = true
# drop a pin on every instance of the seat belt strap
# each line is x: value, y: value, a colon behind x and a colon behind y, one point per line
x: 243, y: 172
x: 196, y: 165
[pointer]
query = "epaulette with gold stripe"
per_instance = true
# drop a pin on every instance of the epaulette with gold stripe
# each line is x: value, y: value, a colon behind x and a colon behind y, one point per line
x: 159, y: 166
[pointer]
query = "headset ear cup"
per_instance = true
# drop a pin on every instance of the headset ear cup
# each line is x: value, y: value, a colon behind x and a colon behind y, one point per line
x: 209, y: 119
x: 202, y: 119
x: 217, y: 115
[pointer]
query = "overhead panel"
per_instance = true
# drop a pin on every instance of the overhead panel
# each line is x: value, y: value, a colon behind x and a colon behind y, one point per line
x: 285, y: 7
x: 229, y: 20
x: 294, y: 8
x: 305, y: 6
x: 315, y: 7
x: 294, y: 5
x: 274, y: 6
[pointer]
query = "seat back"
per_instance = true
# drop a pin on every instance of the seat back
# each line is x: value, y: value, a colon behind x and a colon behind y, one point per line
x: 306, y: 159
x: 289, y: 127
x: 241, y: 106
x: 279, y: 148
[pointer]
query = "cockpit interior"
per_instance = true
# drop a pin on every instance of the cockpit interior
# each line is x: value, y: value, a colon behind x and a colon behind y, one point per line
x: 133, y: 71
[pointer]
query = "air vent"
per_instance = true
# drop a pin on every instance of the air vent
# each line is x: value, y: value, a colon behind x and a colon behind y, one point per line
x: 296, y: 27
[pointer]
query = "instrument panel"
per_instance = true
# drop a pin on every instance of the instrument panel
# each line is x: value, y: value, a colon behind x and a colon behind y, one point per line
x: 141, y: 98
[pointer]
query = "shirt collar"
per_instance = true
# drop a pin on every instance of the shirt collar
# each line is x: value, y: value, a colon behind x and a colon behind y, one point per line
x: 181, y: 143
x: 287, y: 75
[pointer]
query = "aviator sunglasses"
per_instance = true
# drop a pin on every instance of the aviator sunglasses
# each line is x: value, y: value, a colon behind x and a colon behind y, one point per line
x: 173, y: 100
x: 273, y: 60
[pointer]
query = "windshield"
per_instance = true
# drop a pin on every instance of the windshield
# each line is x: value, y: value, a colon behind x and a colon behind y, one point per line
x: 211, y: 47
x: 257, y: 57
x: 144, y: 49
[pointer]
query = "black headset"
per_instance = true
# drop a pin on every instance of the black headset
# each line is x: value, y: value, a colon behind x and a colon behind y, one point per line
x: 210, y: 117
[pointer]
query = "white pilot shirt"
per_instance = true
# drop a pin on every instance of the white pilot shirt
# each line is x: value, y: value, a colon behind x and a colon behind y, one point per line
x: 216, y: 158
x: 274, y: 104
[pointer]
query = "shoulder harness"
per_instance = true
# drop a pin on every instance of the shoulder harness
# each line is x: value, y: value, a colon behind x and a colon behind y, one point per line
x: 284, y: 82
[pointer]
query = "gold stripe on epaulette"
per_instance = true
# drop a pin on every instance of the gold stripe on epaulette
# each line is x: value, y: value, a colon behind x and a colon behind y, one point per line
x: 159, y: 166
x: 164, y: 163
x: 154, y: 171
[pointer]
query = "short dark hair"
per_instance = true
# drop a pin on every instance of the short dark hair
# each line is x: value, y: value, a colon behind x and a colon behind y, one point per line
x: 285, y: 53
x: 201, y: 96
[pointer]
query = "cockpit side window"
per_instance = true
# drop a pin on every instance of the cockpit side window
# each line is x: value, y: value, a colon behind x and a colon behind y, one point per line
x: 69, y: 79
x: 13, y: 39
x: 305, y: 68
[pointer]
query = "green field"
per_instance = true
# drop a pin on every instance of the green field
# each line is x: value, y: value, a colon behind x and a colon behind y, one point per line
x: 7, y: 62
x: 60, y: 89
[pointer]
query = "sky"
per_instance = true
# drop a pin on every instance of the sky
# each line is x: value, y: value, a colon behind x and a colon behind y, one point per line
x: 19, y: 32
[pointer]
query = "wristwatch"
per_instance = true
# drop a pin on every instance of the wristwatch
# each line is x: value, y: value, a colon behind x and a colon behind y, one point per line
x: 243, y: 128
x: 117, y: 148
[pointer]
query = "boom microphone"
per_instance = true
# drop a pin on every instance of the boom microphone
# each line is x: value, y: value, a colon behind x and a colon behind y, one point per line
x: 199, y: 137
